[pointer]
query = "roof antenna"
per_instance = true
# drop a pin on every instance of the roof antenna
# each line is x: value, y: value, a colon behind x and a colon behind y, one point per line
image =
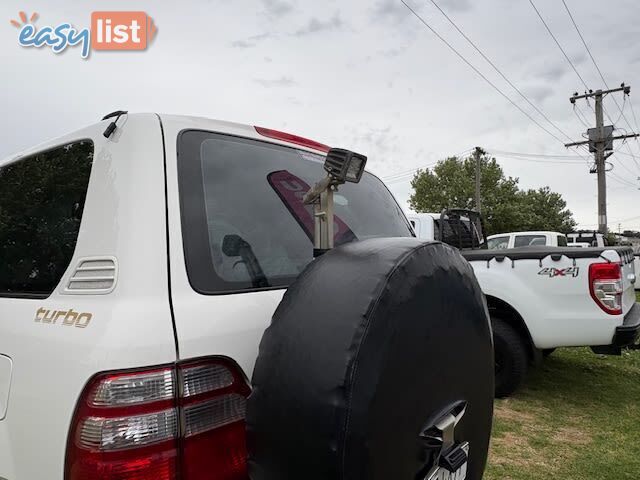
x: 112, y: 126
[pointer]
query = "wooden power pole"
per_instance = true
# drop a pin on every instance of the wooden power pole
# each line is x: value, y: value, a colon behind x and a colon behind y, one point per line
x: 601, y: 145
x: 477, y: 154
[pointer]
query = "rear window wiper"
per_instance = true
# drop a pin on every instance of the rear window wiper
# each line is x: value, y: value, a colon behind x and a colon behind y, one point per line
x: 236, y: 246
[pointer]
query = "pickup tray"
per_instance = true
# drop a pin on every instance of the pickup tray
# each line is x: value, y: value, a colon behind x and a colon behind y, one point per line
x: 538, y: 253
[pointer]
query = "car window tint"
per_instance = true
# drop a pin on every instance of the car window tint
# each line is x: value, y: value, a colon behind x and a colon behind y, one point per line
x: 41, y: 203
x: 498, y: 243
x: 529, y: 240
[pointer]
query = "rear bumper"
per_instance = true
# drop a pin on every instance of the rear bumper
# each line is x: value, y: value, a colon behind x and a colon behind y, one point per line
x: 626, y: 335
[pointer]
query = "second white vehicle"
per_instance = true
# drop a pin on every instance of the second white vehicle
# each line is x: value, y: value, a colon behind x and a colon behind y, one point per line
x: 526, y: 239
x: 541, y: 297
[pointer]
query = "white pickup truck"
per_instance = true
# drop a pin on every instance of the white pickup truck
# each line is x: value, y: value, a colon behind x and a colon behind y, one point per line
x: 526, y: 239
x: 586, y: 239
x: 142, y: 258
x: 541, y: 298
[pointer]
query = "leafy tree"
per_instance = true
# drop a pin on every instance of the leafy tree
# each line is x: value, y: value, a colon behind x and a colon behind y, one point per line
x: 545, y: 210
x: 505, y: 207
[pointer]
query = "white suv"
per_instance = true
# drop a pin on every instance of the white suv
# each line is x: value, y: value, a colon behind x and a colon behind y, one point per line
x: 127, y: 330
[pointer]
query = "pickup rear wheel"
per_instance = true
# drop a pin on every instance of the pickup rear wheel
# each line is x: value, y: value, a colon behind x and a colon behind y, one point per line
x: 511, y: 358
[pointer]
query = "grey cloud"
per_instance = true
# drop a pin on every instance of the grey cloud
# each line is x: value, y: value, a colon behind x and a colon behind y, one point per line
x: 455, y: 5
x: 578, y: 58
x: 392, y: 10
x: 635, y: 57
x: 383, y: 140
x: 538, y: 94
x: 275, y: 82
x: 277, y: 8
x: 392, y: 52
x: 395, y: 11
x: 315, y: 25
x: 242, y: 44
x: 552, y: 72
x: 250, y: 42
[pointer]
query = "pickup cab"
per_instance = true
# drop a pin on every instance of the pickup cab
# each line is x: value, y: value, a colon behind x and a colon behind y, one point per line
x: 526, y: 239
x: 141, y: 259
x: 588, y: 239
x: 542, y: 298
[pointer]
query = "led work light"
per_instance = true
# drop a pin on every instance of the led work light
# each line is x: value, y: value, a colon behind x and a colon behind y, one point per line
x: 341, y: 166
x: 344, y: 165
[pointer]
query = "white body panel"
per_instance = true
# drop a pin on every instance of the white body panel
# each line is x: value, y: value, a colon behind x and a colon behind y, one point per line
x: 557, y: 311
x: 550, y: 238
x: 424, y: 224
x: 227, y: 324
x: 124, y: 217
x: 44, y: 367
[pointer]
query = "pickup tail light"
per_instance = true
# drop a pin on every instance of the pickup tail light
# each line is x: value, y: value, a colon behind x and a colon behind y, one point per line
x: 183, y: 421
x: 605, y: 286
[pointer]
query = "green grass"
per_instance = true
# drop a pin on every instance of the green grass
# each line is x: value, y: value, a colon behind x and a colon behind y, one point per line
x: 577, y: 417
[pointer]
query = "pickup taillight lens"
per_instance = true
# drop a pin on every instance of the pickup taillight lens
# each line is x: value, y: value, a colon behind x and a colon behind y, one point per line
x: 173, y: 422
x: 605, y: 285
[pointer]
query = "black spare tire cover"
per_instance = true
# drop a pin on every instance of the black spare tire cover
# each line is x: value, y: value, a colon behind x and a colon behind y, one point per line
x: 370, y: 346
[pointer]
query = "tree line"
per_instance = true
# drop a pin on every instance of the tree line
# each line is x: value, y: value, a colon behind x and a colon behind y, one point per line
x: 505, y: 207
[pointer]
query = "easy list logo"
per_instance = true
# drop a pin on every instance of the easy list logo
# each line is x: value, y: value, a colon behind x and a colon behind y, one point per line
x: 109, y: 31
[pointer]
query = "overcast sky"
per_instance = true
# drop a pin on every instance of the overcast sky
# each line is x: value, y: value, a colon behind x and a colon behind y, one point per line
x: 364, y: 75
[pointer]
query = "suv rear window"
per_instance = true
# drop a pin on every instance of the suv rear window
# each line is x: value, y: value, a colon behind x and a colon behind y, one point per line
x: 41, y: 202
x: 244, y: 225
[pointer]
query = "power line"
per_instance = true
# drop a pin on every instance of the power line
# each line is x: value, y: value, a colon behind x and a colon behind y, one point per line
x: 424, y: 22
x: 535, y: 155
x: 626, y: 219
x: 504, y: 155
x: 565, y: 54
x: 625, y: 167
x: 581, y: 118
x: 621, y: 180
x: 635, y: 120
x: 627, y: 154
x: 624, y: 102
x: 481, y: 75
x: 407, y: 176
x: 622, y: 115
x: 399, y: 175
x: 594, y: 62
x: 633, y: 157
x: 482, y: 54
x: 516, y: 157
x: 558, y: 44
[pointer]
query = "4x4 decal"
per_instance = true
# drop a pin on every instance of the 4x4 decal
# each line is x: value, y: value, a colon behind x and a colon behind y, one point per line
x: 560, y: 272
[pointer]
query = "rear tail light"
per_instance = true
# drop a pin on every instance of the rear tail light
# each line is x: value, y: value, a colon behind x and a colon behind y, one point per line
x: 289, y: 137
x: 176, y: 422
x: 605, y: 284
